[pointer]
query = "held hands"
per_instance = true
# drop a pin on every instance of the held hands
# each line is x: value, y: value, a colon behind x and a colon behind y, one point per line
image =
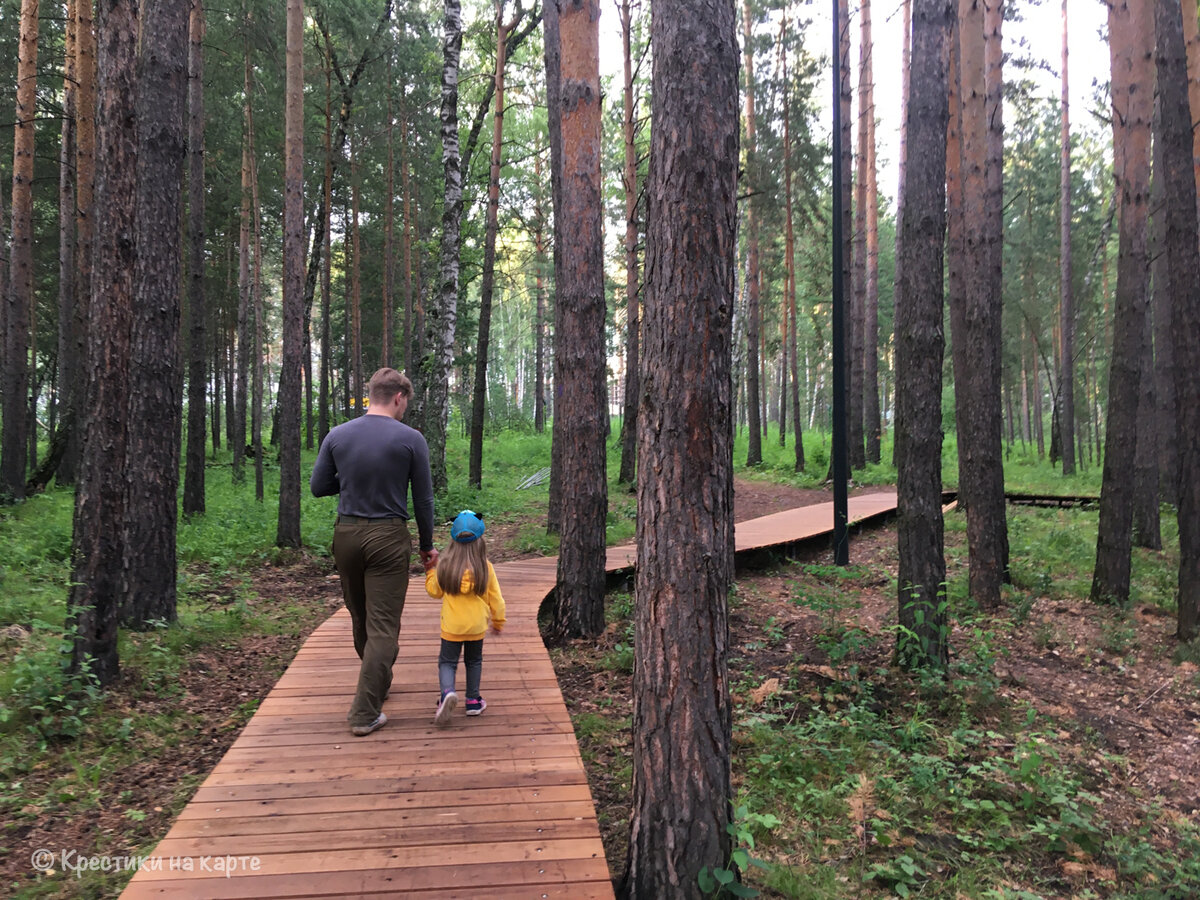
x: 429, y: 559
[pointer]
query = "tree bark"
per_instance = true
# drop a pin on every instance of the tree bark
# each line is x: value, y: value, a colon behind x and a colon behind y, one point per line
x: 872, y: 421
x: 288, y: 534
x: 632, y: 323
x: 324, y: 394
x: 237, y: 434
x: 580, y: 410
x: 852, y: 322
x: 358, y: 390
x: 919, y: 350
x: 539, y: 324
x: 790, y: 250
x: 488, y: 276
x: 1131, y: 39
x: 193, y: 481
x: 97, y: 549
x: 1066, y: 378
x: 155, y: 383
x: 69, y: 308
x: 14, y: 446
x: 753, y: 310
x: 85, y: 175
x: 1184, y: 273
x: 682, y: 713
x: 977, y: 339
x: 442, y: 315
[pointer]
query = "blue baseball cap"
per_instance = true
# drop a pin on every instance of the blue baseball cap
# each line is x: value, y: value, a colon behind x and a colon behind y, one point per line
x: 466, y: 527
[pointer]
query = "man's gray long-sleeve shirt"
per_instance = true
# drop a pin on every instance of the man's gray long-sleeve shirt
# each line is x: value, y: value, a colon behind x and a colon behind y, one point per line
x: 369, y: 462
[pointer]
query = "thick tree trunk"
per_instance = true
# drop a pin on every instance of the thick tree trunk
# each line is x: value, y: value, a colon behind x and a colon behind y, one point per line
x: 580, y: 409
x: 1184, y: 274
x: 1131, y: 39
x: 919, y: 350
x: 682, y: 713
x: 755, y: 386
x: 155, y: 383
x: 193, y: 481
x: 288, y: 534
x: 97, y: 551
x: 443, y: 312
x: 977, y: 333
x: 14, y: 447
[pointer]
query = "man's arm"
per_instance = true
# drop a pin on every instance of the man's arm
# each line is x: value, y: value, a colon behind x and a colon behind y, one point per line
x: 422, y: 492
x: 324, y: 481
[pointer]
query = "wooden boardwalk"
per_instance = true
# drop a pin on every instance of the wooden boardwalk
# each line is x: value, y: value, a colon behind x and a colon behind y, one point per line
x: 493, y: 806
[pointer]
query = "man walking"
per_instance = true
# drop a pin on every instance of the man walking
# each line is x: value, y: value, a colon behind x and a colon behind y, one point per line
x: 370, y: 462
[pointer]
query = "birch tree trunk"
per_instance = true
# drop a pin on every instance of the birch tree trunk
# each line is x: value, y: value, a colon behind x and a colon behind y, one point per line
x: 443, y: 312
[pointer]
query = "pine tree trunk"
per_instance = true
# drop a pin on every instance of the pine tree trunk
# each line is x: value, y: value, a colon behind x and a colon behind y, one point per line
x: 487, y: 279
x: 580, y: 410
x: 85, y: 175
x: 288, y: 533
x: 790, y: 245
x: 1164, y: 339
x: 852, y: 323
x: 682, y: 732
x: 539, y: 324
x: 1066, y: 378
x: 358, y: 390
x: 69, y: 308
x: 193, y: 481
x: 389, y: 227
x: 872, y: 421
x: 258, y: 326
x: 919, y: 349
x: 977, y: 335
x: 1131, y: 39
x: 155, y: 383
x: 632, y: 322
x: 97, y: 551
x: 237, y: 434
x: 1184, y: 273
x: 1146, y: 530
x: 755, y: 386
x: 407, y: 351
x: 324, y: 393
x: 14, y: 447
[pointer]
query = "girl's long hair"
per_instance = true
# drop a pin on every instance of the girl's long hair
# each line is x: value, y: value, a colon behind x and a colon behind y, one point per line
x: 457, y: 560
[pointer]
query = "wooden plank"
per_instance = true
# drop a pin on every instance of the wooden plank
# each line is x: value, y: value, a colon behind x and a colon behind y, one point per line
x: 494, y: 806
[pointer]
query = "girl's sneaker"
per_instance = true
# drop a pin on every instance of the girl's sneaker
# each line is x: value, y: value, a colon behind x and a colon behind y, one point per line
x: 445, y: 708
x: 476, y: 706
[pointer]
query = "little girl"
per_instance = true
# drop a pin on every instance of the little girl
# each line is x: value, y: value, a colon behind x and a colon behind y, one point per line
x: 466, y: 582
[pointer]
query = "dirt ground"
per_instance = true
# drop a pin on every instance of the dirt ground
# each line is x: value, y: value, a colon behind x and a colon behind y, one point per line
x: 1136, y: 703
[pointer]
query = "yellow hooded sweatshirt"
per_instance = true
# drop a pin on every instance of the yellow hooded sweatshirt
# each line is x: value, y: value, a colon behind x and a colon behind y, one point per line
x: 465, y: 614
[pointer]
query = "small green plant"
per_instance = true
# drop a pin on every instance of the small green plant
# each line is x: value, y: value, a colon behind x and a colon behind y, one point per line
x: 723, y: 881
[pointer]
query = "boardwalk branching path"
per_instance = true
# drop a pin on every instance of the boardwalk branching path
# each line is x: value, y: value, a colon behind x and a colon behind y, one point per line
x: 492, y: 806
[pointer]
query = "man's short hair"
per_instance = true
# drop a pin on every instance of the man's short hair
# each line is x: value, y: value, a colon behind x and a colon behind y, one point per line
x: 386, y: 384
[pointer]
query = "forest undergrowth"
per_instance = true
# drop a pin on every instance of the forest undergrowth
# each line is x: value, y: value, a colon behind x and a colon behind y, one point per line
x: 1059, y: 759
